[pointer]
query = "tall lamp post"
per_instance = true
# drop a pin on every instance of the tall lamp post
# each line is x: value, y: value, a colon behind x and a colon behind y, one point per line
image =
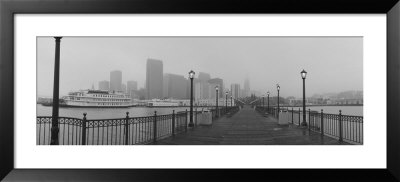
x: 278, y: 88
x: 268, y: 101
x: 191, y: 76
x: 54, y: 124
x: 263, y: 102
x: 231, y: 101
x: 216, y: 101
x: 226, y: 101
x: 303, y: 76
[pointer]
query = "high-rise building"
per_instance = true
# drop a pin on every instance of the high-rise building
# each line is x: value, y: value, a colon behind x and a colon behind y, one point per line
x: 154, y: 79
x: 116, y: 81
x: 247, y: 87
x: 202, y: 90
x: 235, y: 91
x: 204, y: 76
x: 131, y: 86
x: 220, y: 83
x: 174, y: 86
x: 212, y: 92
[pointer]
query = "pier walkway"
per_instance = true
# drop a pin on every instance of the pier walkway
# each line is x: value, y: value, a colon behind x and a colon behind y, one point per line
x: 248, y: 127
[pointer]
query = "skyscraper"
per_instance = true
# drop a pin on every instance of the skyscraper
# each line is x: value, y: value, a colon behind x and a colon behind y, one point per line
x: 174, y: 86
x: 220, y: 83
x: 154, y: 79
x: 235, y: 90
x: 246, y: 87
x: 204, y: 76
x: 116, y: 81
x: 212, y: 91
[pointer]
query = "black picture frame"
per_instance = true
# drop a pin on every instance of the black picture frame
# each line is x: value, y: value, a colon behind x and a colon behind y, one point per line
x: 9, y: 8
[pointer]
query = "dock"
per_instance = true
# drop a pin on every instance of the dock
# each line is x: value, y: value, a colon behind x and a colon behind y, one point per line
x: 248, y: 127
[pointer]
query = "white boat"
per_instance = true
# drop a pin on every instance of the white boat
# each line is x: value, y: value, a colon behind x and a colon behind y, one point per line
x: 96, y: 98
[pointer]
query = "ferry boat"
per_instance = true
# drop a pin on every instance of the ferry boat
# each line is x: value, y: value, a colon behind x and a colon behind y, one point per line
x: 96, y: 98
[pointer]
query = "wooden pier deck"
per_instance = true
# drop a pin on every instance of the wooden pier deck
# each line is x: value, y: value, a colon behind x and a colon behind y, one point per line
x: 247, y: 127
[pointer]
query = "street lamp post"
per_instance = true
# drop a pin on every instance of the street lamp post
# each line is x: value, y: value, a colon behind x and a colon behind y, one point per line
x: 226, y: 101
x: 54, y: 124
x: 216, y: 101
x: 231, y: 101
x: 278, y: 88
x: 263, y: 102
x: 268, y: 101
x: 191, y: 76
x: 303, y: 76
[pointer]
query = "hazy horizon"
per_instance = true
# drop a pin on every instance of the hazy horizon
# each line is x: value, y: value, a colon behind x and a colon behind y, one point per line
x: 334, y: 64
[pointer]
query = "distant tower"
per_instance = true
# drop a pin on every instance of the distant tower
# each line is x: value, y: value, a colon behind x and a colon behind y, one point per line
x: 116, y: 80
x: 92, y: 86
x: 154, y: 79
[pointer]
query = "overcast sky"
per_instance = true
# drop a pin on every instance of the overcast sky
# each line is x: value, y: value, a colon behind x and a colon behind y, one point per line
x: 334, y: 64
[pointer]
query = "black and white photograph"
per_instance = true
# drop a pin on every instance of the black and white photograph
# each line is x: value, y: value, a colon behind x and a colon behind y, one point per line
x: 140, y: 90
x: 199, y: 90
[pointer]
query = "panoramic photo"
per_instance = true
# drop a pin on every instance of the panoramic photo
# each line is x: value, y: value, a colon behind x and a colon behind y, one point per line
x: 199, y: 90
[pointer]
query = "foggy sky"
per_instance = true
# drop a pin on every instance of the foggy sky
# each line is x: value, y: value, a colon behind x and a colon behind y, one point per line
x: 334, y: 64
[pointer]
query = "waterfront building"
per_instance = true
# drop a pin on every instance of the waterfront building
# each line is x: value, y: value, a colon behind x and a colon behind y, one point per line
x: 211, y: 102
x: 104, y: 85
x: 154, y: 79
x: 116, y: 81
x: 235, y: 90
x: 174, y: 86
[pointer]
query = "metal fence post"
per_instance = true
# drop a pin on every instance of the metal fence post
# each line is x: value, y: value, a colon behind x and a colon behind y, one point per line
x: 155, y: 127
x: 340, y: 126
x: 322, y: 122
x: 299, y: 116
x: 186, y: 118
x: 173, y: 122
x: 309, y: 119
x: 126, y: 128
x: 84, y: 129
x: 292, y: 115
x: 195, y: 119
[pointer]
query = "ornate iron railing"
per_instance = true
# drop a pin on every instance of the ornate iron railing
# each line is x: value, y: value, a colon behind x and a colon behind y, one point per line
x: 69, y: 133
x: 122, y: 131
x: 342, y: 127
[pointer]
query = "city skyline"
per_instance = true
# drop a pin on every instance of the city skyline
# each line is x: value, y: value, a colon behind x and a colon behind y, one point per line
x: 352, y: 71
